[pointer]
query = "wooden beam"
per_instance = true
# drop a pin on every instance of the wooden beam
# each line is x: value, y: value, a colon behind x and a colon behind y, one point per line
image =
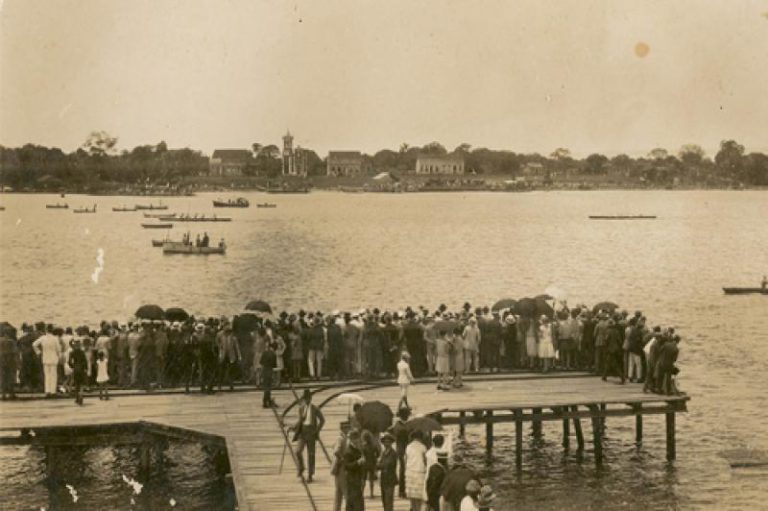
x: 671, y: 436
x: 577, y: 429
x: 489, y: 432
x: 518, y: 439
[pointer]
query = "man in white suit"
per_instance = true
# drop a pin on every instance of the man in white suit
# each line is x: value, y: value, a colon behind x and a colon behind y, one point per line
x: 48, y: 348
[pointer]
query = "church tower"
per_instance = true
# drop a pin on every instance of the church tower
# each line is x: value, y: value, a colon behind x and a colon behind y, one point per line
x: 289, y: 165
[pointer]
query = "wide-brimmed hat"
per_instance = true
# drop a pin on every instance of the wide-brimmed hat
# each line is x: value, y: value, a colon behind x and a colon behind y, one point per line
x: 387, y: 437
x: 486, y: 496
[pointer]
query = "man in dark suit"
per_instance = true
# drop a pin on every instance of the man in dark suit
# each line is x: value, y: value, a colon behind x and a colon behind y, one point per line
x: 268, y: 364
x: 306, y: 432
x: 388, y: 465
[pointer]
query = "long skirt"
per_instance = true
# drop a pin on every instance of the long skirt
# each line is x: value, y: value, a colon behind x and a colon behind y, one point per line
x: 531, y: 346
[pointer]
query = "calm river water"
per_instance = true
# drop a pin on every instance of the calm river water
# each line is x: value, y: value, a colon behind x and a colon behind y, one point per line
x: 333, y: 250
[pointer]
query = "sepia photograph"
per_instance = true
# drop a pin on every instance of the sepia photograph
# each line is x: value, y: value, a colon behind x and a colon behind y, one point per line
x: 349, y: 255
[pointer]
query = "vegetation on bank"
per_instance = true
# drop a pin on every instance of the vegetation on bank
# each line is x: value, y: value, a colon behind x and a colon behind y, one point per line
x: 98, y: 167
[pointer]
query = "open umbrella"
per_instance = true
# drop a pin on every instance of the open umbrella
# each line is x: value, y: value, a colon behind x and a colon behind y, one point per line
x: 258, y: 306
x: 544, y: 309
x: 525, y: 307
x: 349, y: 399
x: 7, y: 330
x: 176, y: 314
x: 506, y: 303
x: 605, y: 306
x: 543, y: 297
x: 150, y: 311
x: 425, y: 424
x: 374, y: 416
x: 446, y: 325
x: 454, y: 483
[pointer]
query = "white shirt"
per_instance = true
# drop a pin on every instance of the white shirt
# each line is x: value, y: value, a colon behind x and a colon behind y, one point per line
x: 404, y: 375
x: 467, y: 504
x: 49, y: 348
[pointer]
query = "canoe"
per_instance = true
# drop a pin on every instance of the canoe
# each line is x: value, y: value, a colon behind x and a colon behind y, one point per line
x: 745, y: 290
x: 240, y: 202
x: 195, y: 219
x: 157, y: 226
x: 266, y: 205
x: 622, y: 217
x: 180, y: 248
x: 160, y: 243
x: 84, y: 210
x: 121, y: 210
x: 152, y: 206
x: 158, y: 215
x: 57, y: 206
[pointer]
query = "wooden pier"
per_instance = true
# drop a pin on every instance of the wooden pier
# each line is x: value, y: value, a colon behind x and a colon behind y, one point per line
x: 262, y: 459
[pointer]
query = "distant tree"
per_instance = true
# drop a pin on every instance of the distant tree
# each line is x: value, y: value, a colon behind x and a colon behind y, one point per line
x: 756, y: 169
x: 434, y: 148
x: 595, y: 164
x: 385, y: 159
x: 404, y: 147
x: 691, y: 154
x: 463, y: 148
x: 561, y: 153
x: 99, y: 143
x: 658, y: 153
x: 730, y: 158
x: 256, y: 148
x: 270, y: 151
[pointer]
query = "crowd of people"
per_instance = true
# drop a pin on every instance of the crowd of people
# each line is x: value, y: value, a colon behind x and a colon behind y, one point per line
x: 368, y: 344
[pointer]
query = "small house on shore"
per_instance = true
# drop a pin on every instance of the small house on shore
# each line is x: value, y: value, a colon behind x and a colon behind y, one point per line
x: 229, y: 162
x: 434, y: 164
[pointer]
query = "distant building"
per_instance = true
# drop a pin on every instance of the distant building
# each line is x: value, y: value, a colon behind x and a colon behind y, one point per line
x: 346, y: 163
x: 534, y: 169
x: 229, y: 162
x: 294, y: 160
x: 448, y: 164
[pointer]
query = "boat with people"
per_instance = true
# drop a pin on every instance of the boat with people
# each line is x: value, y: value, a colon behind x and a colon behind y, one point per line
x: 175, y: 247
x: 266, y: 205
x: 157, y: 226
x: 745, y: 290
x: 57, y: 206
x: 240, y: 202
x: 195, y: 218
x: 158, y: 215
x: 622, y: 217
x: 152, y: 207
x: 85, y: 210
x: 123, y: 209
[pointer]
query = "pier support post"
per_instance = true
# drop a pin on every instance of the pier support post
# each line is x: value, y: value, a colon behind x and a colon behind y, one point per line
x: 577, y: 429
x: 566, y: 432
x: 519, y: 439
x: 462, y: 427
x: 597, y: 435
x: 670, y: 436
x: 145, y: 457
x: 489, y: 432
x: 603, y: 407
x: 638, y: 423
x: 536, y: 423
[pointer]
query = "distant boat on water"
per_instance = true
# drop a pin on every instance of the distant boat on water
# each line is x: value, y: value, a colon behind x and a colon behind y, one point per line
x: 182, y: 248
x: 158, y: 215
x: 157, y: 226
x: 195, y: 218
x: 622, y: 217
x: 85, y: 210
x: 287, y: 189
x: 151, y: 207
x: 123, y: 209
x: 745, y: 290
x: 57, y: 206
x: 266, y: 205
x: 240, y: 202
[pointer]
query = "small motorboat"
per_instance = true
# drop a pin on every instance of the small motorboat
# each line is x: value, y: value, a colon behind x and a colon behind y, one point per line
x: 157, y: 226
x: 57, y: 206
x: 745, y: 290
x: 85, y: 210
x: 158, y: 215
x: 266, y: 205
x: 152, y: 207
x: 240, y: 202
x: 183, y: 248
x: 622, y: 217
x: 123, y: 209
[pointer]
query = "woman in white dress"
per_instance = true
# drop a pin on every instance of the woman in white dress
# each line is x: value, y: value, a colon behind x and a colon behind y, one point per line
x: 546, y: 344
x: 404, y: 378
x: 416, y: 470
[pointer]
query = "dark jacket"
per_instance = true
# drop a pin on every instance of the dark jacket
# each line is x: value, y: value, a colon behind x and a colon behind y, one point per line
x: 435, y: 478
x: 316, y: 338
x: 388, y: 466
x: 636, y: 341
x: 317, y: 420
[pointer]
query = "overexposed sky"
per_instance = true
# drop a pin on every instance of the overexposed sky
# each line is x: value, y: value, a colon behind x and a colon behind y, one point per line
x: 528, y: 76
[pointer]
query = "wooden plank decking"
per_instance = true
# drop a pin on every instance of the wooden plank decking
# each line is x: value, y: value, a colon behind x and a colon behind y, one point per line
x: 256, y: 444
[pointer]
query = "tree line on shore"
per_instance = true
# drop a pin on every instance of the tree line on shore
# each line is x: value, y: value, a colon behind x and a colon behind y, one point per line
x: 97, y: 162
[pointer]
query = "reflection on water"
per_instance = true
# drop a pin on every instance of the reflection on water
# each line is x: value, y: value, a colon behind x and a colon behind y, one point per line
x: 190, y: 479
x: 329, y: 250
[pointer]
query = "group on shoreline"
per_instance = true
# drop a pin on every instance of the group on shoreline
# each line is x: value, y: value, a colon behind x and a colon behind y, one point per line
x: 215, y: 352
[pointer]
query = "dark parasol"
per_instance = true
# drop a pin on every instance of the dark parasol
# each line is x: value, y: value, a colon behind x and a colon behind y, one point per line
x: 605, y: 306
x: 426, y: 424
x: 374, y: 416
x: 7, y: 330
x: 506, y: 303
x: 258, y: 306
x: 455, y: 482
x: 150, y: 311
x: 176, y: 314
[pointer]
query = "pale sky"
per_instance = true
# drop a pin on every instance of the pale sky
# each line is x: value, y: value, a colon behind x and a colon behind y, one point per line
x: 528, y: 76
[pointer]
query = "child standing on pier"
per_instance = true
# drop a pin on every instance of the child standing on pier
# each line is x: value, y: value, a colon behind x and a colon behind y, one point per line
x: 443, y: 363
x: 102, y: 375
x: 404, y: 378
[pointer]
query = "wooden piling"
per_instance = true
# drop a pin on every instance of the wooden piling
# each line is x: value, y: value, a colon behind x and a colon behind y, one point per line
x: 566, y: 433
x: 603, y: 407
x: 638, y: 423
x: 519, y: 439
x: 597, y: 435
x: 537, y: 423
x: 489, y: 432
x: 577, y: 429
x: 462, y: 427
x: 671, y: 436
x: 145, y: 457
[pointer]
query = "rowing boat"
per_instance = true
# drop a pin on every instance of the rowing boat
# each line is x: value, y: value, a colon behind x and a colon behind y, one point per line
x: 622, y: 217
x: 240, y: 202
x: 266, y: 205
x: 181, y: 248
x: 745, y: 290
x: 158, y: 215
x: 186, y: 218
x: 123, y: 209
x: 57, y: 206
x: 152, y: 206
x: 84, y: 210
x: 157, y: 226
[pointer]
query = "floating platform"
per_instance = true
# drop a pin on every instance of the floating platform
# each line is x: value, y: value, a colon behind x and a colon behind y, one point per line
x: 622, y: 217
x: 745, y: 290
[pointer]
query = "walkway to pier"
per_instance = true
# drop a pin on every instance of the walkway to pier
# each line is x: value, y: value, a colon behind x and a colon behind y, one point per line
x: 256, y: 443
